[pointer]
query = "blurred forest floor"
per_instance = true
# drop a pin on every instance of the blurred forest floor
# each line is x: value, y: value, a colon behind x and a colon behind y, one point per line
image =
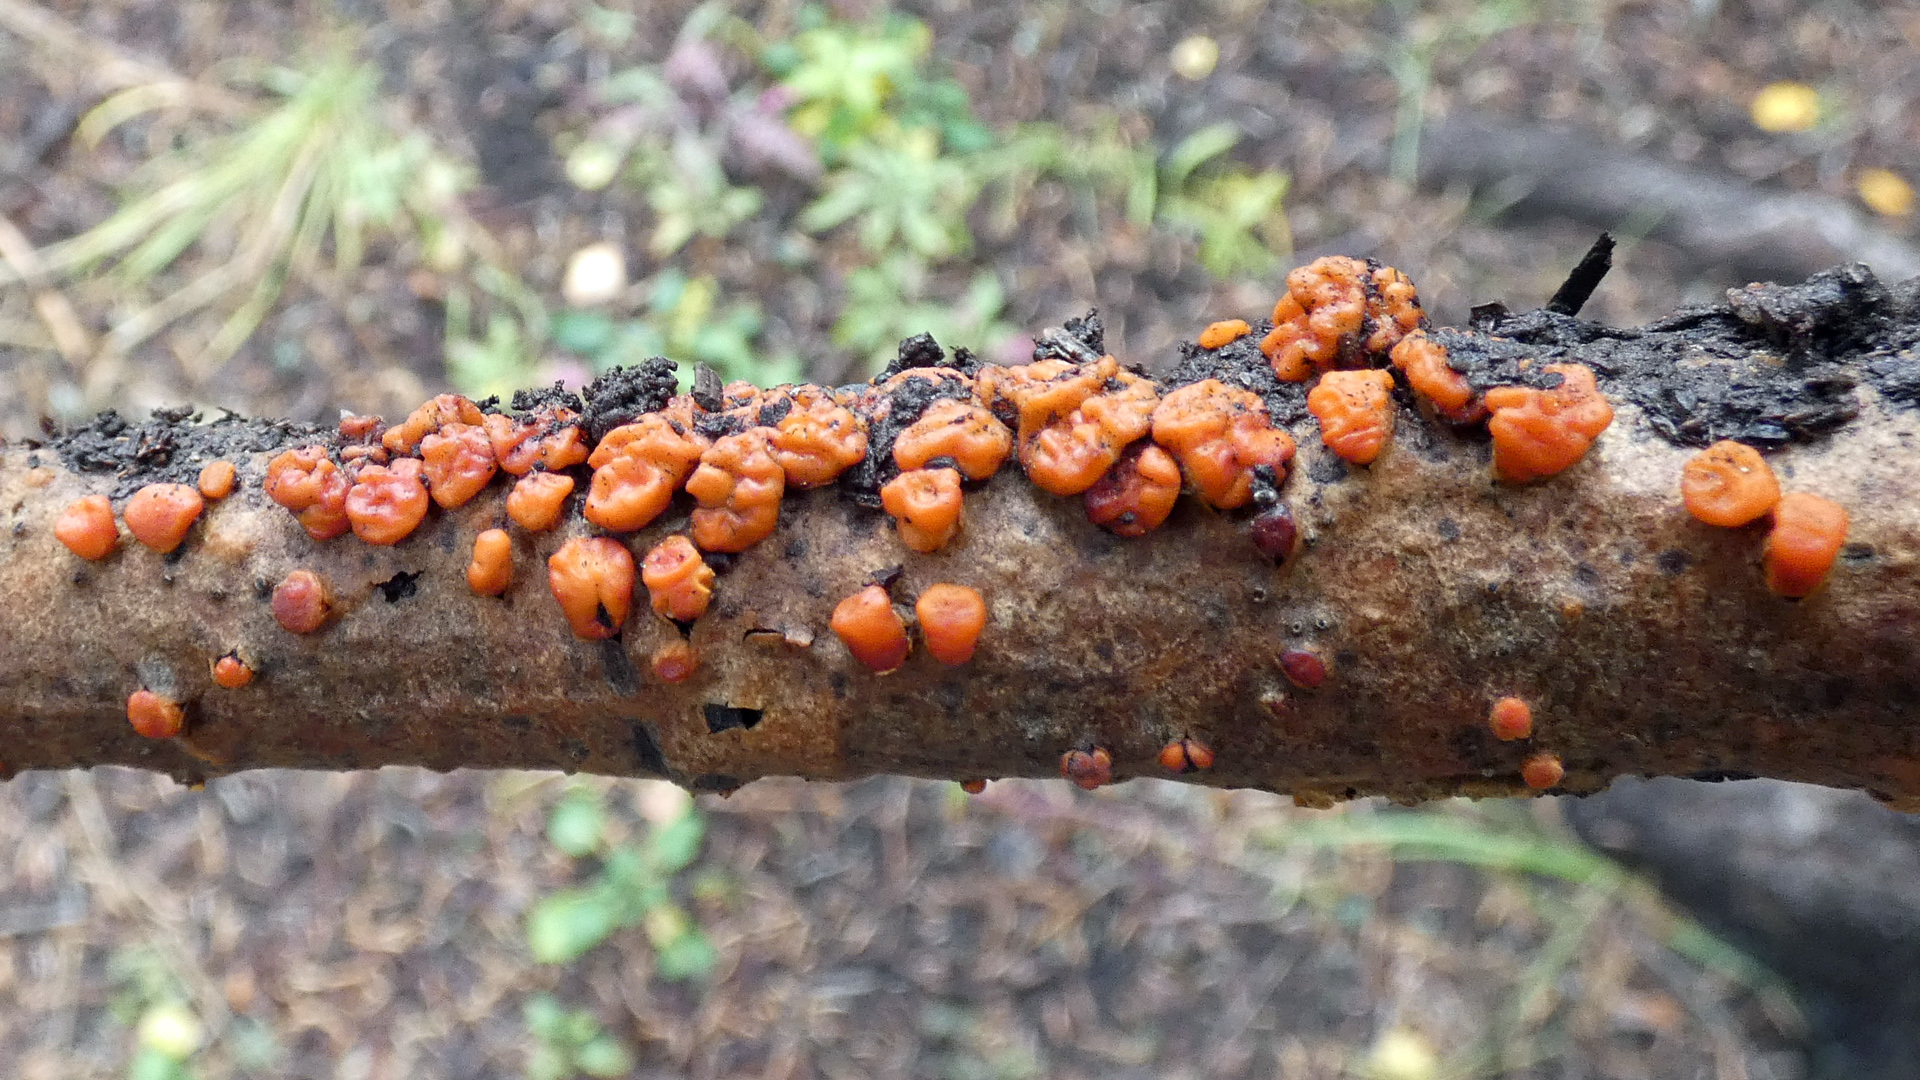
x: 374, y: 926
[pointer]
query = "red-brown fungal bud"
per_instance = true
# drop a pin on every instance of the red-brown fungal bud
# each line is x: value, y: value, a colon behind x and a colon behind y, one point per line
x: 1186, y: 754
x: 675, y: 662
x: 1275, y: 533
x: 960, y: 431
x: 1136, y: 495
x: 739, y: 485
x: 308, y: 483
x: 1424, y: 362
x: 1537, y: 433
x: 1303, y: 668
x: 386, y: 504
x: 974, y: 786
x: 926, y: 506
x: 1511, y: 719
x: 1807, y: 533
x: 951, y: 618
x: 818, y: 439
x: 678, y: 580
x: 159, y: 515
x: 232, y: 672
x: 1219, y: 434
x: 538, y: 500
x: 592, y: 578
x: 457, y: 462
x: 154, y: 716
x: 302, y: 603
x: 491, y: 569
x: 86, y: 527
x: 1543, y: 771
x: 1355, y: 410
x: 216, y: 479
x: 873, y: 632
x: 429, y: 418
x: 638, y: 467
x: 1223, y: 333
x: 550, y: 437
x: 1088, y: 768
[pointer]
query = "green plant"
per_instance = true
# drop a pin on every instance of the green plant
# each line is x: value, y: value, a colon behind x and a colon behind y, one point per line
x: 567, y: 1043
x: 1236, y: 213
x: 148, y: 995
x: 888, y: 303
x: 688, y: 322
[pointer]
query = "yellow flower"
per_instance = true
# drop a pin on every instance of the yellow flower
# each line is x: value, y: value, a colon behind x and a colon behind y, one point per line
x: 1786, y: 106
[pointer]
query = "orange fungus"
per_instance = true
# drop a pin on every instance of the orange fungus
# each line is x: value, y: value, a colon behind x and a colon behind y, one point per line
x: 592, y: 578
x: 960, y: 431
x: 818, y: 438
x: 636, y: 470
x: 1424, y: 362
x: 302, y: 603
x: 308, y: 483
x: 1136, y: 495
x: 1728, y: 484
x: 1542, y: 771
x: 872, y: 630
x: 1537, y: 433
x: 86, y: 527
x: 974, y: 786
x: 739, y: 485
x: 154, y: 716
x: 1088, y: 768
x: 1185, y: 754
x: 385, y: 504
x: 951, y: 618
x: 491, y: 570
x: 1220, y: 434
x: 159, y: 515
x: 925, y: 505
x: 216, y: 479
x: 1222, y: 333
x: 1807, y: 533
x: 429, y: 418
x: 1355, y: 410
x: 678, y: 580
x: 458, y: 462
x: 1511, y: 719
x: 1303, y: 668
x: 674, y: 662
x: 550, y: 437
x: 1336, y: 308
x: 538, y: 500
x: 232, y: 672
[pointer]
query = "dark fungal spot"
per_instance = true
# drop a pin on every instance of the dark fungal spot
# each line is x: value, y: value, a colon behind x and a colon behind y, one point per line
x: 541, y: 398
x: 646, y: 748
x: 1327, y: 469
x: 717, y: 783
x: 1240, y: 363
x: 1718, y: 776
x: 797, y: 548
x: 1673, y: 561
x: 727, y: 717
x: 1586, y: 575
x: 400, y: 586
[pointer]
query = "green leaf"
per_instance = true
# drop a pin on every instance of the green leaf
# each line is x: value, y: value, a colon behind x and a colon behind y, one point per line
x: 575, y: 825
x: 562, y: 927
x: 605, y: 1057
x: 689, y: 956
x: 673, y: 847
x: 154, y: 1065
x: 546, y: 1062
x: 1197, y: 149
x: 585, y: 332
x: 544, y: 1017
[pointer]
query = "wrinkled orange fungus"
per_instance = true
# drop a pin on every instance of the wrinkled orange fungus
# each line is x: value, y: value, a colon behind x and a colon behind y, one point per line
x: 1224, y: 333
x: 159, y: 515
x: 1537, y: 433
x: 538, y: 499
x: 429, y: 418
x: 818, y: 439
x: 1185, y: 754
x: 1329, y: 305
x: 678, y: 580
x: 873, y: 632
x: 636, y: 470
x: 1424, y: 362
x: 739, y: 485
x: 457, y: 462
x: 1072, y: 452
x: 307, y: 482
x: 1728, y: 484
x: 216, y: 479
x: 1088, y: 769
x: 1393, y: 309
x: 959, y: 431
x: 550, y: 437
x: 1137, y: 494
x: 1807, y: 533
x: 592, y: 578
x: 355, y: 428
x: 926, y: 506
x: 232, y: 672
x: 951, y: 618
x: 386, y: 504
x: 1355, y: 410
x: 675, y: 662
x: 154, y: 716
x: 1511, y: 719
x: 86, y: 527
x: 491, y: 569
x: 1219, y: 434
x: 1543, y: 771
x: 302, y: 603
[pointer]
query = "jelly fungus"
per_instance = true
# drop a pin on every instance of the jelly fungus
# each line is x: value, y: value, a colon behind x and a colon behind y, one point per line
x: 429, y: 418
x: 1807, y: 533
x: 959, y: 431
x: 159, y: 515
x: 1543, y: 771
x: 951, y: 618
x: 355, y: 428
x: 216, y: 479
x: 308, y: 483
x: 592, y: 578
x: 1275, y: 533
x: 679, y: 581
x: 1329, y: 305
x: 637, y: 468
x: 1136, y: 495
x: 1088, y: 768
x: 1303, y: 668
x: 925, y: 505
x: 1072, y: 452
x: 1185, y: 755
x: 1043, y: 391
x: 1224, y: 333
x: 1537, y: 433
x: 738, y: 485
x: 818, y: 438
x: 457, y: 461
x: 302, y: 603
x: 1219, y: 434
x: 86, y: 527
x: 232, y: 672
x: 1355, y: 410
x: 974, y: 786
x: 1511, y: 719
x: 1728, y: 484
x: 538, y: 499
x: 1424, y: 362
x: 675, y: 662
x: 491, y: 570
x: 154, y: 716
x: 549, y: 438
x: 872, y: 630
x: 385, y: 504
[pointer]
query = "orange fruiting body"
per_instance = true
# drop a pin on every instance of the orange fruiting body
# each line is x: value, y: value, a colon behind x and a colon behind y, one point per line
x: 551, y: 437
x: 926, y: 506
x: 1087, y: 768
x: 1355, y: 410
x: 674, y: 662
x: 154, y: 716
x: 537, y: 500
x: 86, y: 527
x: 739, y: 485
x: 1325, y: 307
x: 457, y: 462
x: 385, y: 504
x: 818, y: 439
x: 592, y: 578
x: 232, y: 672
x: 356, y: 428
x: 636, y: 470
x: 429, y: 418
x: 307, y: 482
x: 974, y: 786
x: 679, y: 581
x: 1219, y: 434
x: 1185, y: 754
x: 1224, y: 333
x: 1393, y: 305
x: 1537, y: 433
x: 491, y: 570
x: 1303, y: 668
x: 1807, y: 533
x: 1136, y: 495
x: 1728, y: 484
x: 1071, y: 453
x: 302, y: 603
x: 1542, y: 771
x: 1511, y: 719
x: 1424, y: 361
x: 216, y: 479
x: 873, y: 632
x: 951, y: 618
x: 159, y: 515
x: 959, y: 431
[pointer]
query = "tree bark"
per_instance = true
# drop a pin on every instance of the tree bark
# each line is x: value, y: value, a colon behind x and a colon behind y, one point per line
x: 1645, y: 641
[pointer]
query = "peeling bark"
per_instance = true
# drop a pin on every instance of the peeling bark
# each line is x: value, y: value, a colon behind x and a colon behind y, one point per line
x: 1644, y: 641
